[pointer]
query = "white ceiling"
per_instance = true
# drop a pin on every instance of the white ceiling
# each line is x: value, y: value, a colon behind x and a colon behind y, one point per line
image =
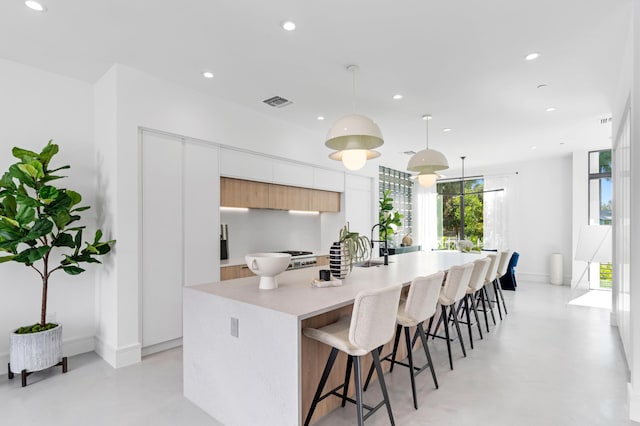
x: 461, y: 61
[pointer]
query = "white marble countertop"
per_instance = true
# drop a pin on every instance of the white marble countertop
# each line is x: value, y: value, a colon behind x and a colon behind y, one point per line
x: 296, y: 296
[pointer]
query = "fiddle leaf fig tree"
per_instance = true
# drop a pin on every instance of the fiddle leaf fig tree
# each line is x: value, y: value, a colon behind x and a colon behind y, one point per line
x: 39, y: 220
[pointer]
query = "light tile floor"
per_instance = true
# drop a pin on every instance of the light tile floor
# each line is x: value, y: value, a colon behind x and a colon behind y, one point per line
x: 547, y: 363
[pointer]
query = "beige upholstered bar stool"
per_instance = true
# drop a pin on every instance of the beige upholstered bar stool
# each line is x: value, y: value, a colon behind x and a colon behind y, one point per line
x: 454, y: 289
x: 476, y: 285
x: 420, y: 306
x: 370, y: 327
x: 505, y: 255
x: 483, y: 296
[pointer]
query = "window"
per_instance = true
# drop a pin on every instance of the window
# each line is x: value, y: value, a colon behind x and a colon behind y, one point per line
x: 400, y: 186
x: 600, y: 203
x: 454, y: 222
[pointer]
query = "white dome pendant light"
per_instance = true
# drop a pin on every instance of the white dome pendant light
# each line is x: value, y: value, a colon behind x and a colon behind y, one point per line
x: 354, y: 137
x: 427, y: 162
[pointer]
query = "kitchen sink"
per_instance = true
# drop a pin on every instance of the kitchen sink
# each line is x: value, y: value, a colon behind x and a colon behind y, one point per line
x: 369, y: 263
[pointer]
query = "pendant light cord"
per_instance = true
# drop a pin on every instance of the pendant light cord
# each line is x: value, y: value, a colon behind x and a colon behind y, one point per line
x: 353, y: 69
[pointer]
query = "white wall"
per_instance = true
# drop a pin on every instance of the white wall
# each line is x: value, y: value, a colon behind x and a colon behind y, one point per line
x: 36, y: 106
x: 626, y: 293
x: 539, y: 213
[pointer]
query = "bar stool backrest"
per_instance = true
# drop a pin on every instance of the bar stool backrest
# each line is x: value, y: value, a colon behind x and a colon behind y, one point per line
x: 493, y: 267
x: 505, y: 255
x: 422, y: 299
x: 455, y: 286
x: 479, y: 273
x: 373, y: 318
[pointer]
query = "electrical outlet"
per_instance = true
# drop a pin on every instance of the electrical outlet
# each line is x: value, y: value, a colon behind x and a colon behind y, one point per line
x: 234, y: 327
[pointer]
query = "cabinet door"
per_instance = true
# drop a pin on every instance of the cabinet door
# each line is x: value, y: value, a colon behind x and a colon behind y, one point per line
x: 201, y: 213
x: 328, y: 180
x: 359, y: 204
x: 325, y: 201
x: 243, y: 193
x: 287, y: 173
x: 244, y: 165
x: 282, y: 197
x: 162, y: 243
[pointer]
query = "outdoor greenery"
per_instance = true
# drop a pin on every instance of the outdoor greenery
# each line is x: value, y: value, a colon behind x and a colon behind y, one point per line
x: 388, y: 219
x: 473, y: 210
x: 38, y: 220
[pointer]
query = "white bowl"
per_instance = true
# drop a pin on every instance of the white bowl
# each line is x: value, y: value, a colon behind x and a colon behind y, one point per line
x: 267, y: 266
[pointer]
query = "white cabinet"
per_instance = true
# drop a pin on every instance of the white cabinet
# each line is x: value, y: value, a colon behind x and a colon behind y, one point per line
x: 180, y: 226
x: 293, y: 174
x: 360, y: 203
x: 245, y: 165
x: 328, y: 180
x: 161, y: 239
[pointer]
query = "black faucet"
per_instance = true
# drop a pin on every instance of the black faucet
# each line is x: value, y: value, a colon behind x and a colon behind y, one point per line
x: 385, y: 250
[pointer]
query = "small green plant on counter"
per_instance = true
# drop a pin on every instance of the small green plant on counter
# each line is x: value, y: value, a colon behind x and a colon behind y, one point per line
x: 387, y: 218
x: 38, y: 219
x: 358, y: 246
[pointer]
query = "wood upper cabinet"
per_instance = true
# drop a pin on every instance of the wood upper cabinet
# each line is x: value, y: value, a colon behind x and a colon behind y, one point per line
x: 244, y: 193
x: 233, y: 272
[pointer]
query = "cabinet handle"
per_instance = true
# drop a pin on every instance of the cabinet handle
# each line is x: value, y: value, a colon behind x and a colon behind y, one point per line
x: 244, y: 267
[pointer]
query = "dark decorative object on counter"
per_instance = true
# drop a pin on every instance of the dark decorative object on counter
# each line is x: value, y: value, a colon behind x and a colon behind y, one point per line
x: 351, y: 247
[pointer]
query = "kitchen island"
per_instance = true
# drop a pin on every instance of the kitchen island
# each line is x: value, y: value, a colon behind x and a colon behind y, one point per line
x: 246, y: 360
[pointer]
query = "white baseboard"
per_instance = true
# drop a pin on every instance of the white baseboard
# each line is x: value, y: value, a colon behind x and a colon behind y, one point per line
x: 540, y: 278
x: 120, y: 357
x: 148, y: 350
x: 70, y: 347
x: 634, y: 403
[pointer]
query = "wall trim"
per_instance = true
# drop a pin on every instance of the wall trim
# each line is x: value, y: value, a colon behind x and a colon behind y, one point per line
x: 159, y: 347
x: 118, y: 358
x: 634, y: 403
x: 541, y: 278
x: 70, y: 347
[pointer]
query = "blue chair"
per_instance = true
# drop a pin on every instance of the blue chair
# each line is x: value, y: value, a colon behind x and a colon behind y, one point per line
x: 508, y: 281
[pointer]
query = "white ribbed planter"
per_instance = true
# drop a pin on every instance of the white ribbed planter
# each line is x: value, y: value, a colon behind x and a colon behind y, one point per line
x: 35, y: 351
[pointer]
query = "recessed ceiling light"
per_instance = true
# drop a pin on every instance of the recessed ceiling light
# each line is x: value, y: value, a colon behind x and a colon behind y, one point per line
x: 207, y: 74
x: 550, y: 109
x: 288, y: 25
x: 446, y: 129
x: 34, y: 5
x: 320, y: 117
x: 426, y: 117
x: 397, y: 97
x: 561, y: 143
x: 534, y: 147
x: 532, y: 56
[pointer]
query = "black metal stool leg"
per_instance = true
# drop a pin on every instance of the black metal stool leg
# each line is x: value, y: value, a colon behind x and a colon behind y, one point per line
x: 496, y: 295
x: 504, y: 305
x: 383, y: 386
x: 466, y: 310
x: 370, y: 374
x: 446, y: 334
x: 358, y: 383
x: 323, y: 381
x: 347, y: 376
x: 412, y: 374
x: 9, y: 374
x: 489, y: 304
x: 423, y: 337
x: 395, y: 346
x: 457, y: 324
x: 475, y: 312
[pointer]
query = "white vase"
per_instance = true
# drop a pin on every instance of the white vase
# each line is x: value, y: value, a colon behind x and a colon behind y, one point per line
x: 339, y: 263
x: 35, y: 351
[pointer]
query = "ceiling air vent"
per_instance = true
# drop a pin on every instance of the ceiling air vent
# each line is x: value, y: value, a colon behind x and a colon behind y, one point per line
x: 605, y: 120
x: 277, y: 102
x: 411, y: 152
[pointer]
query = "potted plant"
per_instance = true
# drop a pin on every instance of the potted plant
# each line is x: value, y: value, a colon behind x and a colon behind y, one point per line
x: 38, y: 228
x: 388, y: 219
x: 351, y: 247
